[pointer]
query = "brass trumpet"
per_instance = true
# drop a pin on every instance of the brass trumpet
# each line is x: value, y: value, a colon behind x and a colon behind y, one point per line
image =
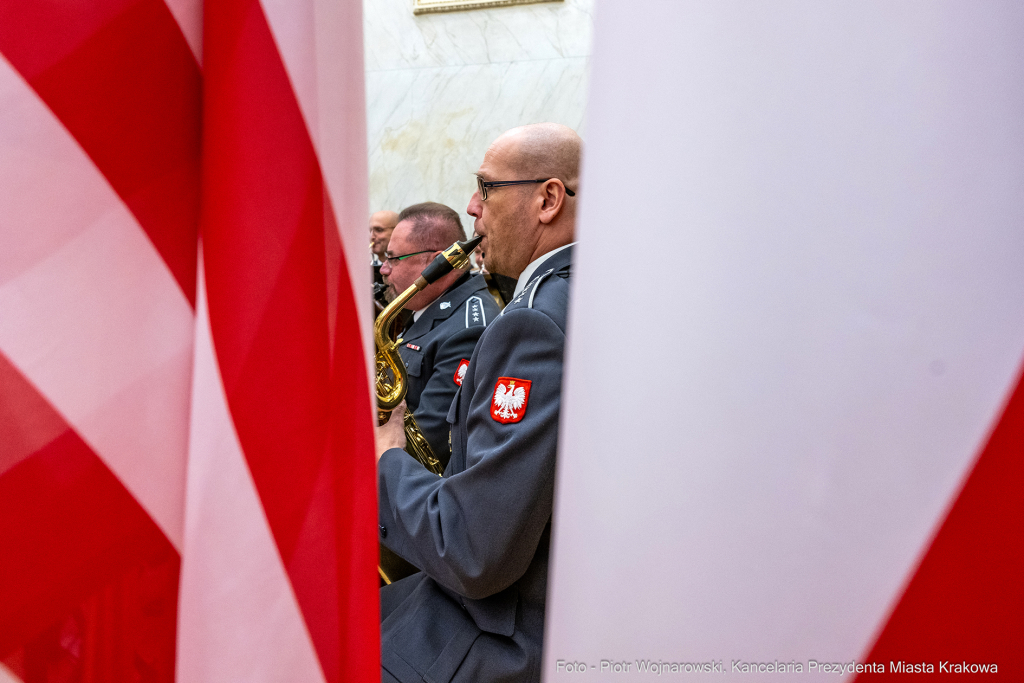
x: 392, y: 380
x: 393, y: 383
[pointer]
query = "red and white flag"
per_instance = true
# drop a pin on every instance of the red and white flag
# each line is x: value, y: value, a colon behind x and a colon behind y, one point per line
x: 815, y: 457
x: 99, y: 200
x: 186, y: 472
x: 280, y: 484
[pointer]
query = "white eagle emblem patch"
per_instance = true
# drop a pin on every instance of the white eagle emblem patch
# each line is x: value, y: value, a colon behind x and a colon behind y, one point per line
x: 510, y: 398
x: 460, y: 372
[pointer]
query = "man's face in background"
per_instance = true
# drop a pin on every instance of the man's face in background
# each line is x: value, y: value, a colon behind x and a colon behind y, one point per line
x: 382, y: 224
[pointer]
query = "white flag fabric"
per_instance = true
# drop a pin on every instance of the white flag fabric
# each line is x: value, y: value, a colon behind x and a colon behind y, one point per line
x: 791, y: 440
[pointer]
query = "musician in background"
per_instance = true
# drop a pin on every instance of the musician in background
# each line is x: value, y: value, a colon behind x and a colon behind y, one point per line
x: 382, y: 224
x: 448, y: 316
x: 480, y: 534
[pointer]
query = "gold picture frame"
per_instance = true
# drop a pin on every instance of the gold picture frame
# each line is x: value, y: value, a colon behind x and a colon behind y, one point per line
x: 431, y: 6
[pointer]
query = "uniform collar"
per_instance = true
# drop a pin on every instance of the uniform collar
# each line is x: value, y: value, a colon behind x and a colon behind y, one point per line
x: 534, y: 266
x: 453, y: 296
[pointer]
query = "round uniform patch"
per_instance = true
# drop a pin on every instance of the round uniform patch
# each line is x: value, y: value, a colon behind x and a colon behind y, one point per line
x: 460, y: 372
x: 510, y: 398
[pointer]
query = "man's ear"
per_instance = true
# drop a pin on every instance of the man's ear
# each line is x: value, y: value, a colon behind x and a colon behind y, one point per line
x: 552, y: 196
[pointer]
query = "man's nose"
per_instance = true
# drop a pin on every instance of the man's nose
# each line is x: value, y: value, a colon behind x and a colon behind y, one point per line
x: 474, y: 205
x: 385, y: 268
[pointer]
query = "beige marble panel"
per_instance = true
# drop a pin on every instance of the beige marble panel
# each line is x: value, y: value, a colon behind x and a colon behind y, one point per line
x: 396, y: 38
x: 424, y: 6
x: 429, y: 128
x: 441, y: 87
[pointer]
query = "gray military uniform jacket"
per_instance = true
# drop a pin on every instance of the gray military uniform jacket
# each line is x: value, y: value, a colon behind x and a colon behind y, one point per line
x: 481, y: 533
x: 434, y: 347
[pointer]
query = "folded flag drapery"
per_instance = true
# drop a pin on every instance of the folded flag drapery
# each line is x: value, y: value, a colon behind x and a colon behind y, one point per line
x: 186, y: 472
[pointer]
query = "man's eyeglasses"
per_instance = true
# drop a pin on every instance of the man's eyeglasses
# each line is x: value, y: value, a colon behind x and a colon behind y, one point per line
x: 483, y: 185
x: 394, y: 259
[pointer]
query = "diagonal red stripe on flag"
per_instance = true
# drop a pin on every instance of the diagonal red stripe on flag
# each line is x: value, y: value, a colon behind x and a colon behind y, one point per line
x: 964, y: 603
x: 355, y: 476
x: 121, y: 78
x: 27, y: 422
x: 270, y: 258
x: 78, y: 552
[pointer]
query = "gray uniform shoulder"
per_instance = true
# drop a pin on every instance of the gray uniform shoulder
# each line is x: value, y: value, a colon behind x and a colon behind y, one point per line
x: 547, y: 292
x: 464, y: 306
x: 476, y: 308
x: 476, y: 313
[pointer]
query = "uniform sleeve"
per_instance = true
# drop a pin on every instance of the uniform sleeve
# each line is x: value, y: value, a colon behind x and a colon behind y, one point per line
x: 436, y: 398
x: 476, y: 532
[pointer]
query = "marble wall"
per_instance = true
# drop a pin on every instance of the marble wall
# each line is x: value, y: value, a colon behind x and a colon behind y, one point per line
x: 441, y: 87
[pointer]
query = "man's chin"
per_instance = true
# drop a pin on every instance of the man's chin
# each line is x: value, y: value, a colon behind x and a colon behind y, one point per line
x: 498, y: 269
x: 490, y: 264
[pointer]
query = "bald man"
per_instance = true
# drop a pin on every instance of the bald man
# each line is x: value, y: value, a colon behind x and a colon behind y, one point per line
x: 481, y: 533
x: 382, y: 224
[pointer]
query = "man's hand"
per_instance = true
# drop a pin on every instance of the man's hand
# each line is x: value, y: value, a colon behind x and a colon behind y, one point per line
x: 391, y: 434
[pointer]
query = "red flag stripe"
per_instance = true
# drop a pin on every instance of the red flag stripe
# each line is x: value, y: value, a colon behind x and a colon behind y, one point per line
x: 265, y: 214
x: 355, y: 471
x: 189, y: 15
x: 27, y: 421
x: 263, y: 245
x: 965, y: 600
x: 69, y: 528
x: 122, y: 79
x: 331, y: 97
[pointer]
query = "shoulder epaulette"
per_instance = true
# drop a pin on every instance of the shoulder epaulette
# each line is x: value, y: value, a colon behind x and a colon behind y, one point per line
x: 529, y: 291
x: 475, y: 314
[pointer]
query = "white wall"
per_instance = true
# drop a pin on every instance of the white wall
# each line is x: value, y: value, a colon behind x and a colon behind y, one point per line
x: 441, y: 87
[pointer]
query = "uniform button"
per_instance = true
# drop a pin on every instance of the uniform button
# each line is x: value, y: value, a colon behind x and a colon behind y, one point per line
x: 383, y: 531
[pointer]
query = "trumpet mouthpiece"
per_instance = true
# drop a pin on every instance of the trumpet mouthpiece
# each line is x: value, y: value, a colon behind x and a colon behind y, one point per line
x: 455, y: 256
x: 469, y: 245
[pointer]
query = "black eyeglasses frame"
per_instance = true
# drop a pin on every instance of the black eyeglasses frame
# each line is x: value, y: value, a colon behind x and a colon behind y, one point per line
x: 483, y: 185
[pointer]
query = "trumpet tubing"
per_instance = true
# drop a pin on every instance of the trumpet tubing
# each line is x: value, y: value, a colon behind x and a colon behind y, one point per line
x: 392, y: 380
